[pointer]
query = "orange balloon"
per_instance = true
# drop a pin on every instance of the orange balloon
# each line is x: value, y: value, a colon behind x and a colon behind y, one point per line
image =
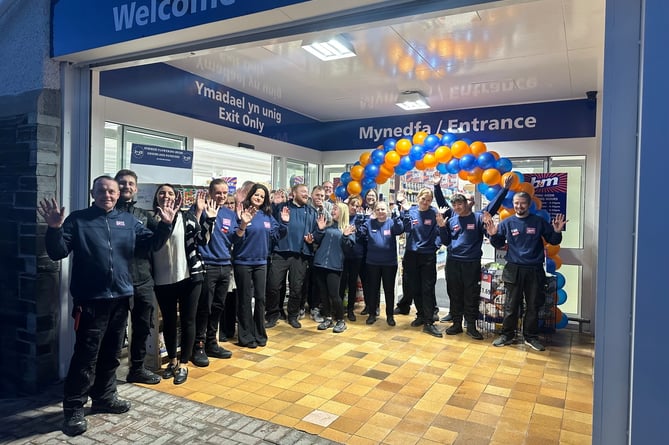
x: 354, y: 187
x: 357, y: 171
x: 385, y: 170
x: 495, y: 154
x: 474, y: 176
x: 419, y: 137
x: 420, y: 165
x: 430, y: 160
x: 392, y: 159
x: 515, y: 180
x: 364, y: 158
x: 443, y: 154
x: 478, y: 147
x: 558, y: 261
x: 403, y: 146
x: 503, y: 213
x: 491, y: 176
x: 537, y: 202
x: 552, y: 250
x: 460, y: 148
x: 464, y: 175
x: 381, y: 179
x: 527, y: 188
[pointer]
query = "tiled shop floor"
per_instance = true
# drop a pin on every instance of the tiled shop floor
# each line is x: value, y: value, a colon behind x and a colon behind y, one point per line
x: 398, y: 385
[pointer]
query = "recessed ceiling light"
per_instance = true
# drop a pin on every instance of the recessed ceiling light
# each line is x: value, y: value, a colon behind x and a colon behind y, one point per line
x: 335, y: 48
x: 412, y: 100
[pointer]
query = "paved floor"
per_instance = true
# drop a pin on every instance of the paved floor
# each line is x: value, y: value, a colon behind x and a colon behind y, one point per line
x: 369, y: 385
x: 155, y: 418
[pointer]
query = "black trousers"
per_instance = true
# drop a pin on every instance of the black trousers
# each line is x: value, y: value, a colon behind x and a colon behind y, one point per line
x: 99, y: 335
x: 251, y: 282
x: 327, y: 286
x: 528, y: 283
x: 405, y: 302
x: 212, y: 304
x: 375, y: 276
x: 421, y: 278
x: 463, y: 282
x: 179, y: 301
x: 142, y: 308
x: 349, y: 280
x: 295, y: 265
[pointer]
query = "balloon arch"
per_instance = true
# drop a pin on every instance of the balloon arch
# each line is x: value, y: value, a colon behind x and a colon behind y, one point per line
x: 471, y: 161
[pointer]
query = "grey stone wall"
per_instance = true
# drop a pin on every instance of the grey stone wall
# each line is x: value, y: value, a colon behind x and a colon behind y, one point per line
x: 30, y: 147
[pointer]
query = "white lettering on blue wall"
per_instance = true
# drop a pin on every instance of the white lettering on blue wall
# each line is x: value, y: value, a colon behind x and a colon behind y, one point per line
x: 376, y: 134
x: 129, y: 15
x: 517, y: 123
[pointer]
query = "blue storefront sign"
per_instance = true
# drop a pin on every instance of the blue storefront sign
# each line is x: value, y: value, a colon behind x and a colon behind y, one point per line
x: 80, y: 25
x: 170, y: 89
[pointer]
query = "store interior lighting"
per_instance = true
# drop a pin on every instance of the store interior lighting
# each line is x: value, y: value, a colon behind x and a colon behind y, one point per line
x: 337, y: 47
x: 412, y: 100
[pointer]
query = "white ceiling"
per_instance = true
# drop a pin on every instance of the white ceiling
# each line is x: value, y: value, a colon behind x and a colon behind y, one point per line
x: 523, y: 51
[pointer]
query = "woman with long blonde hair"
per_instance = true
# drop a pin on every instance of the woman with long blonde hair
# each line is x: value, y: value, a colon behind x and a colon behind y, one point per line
x: 332, y: 240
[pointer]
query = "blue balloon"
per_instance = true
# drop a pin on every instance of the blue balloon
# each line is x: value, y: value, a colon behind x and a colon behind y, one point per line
x: 508, y: 200
x: 560, y: 279
x: 341, y: 192
x: 533, y: 208
x: 368, y: 183
x: 521, y: 177
x: 562, y: 323
x: 416, y: 153
x: 486, y: 160
x: 441, y: 167
x: 378, y: 156
x: 389, y: 144
x: 544, y: 215
x: 356, y: 163
x: 453, y: 166
x: 448, y: 139
x: 482, y: 187
x: 431, y: 142
x: 400, y: 171
x: 371, y: 171
x: 467, y: 140
x: 504, y: 165
x: 492, y: 192
x: 550, y: 266
x: 406, y: 162
x: 562, y: 296
x: 345, y: 178
x: 467, y: 162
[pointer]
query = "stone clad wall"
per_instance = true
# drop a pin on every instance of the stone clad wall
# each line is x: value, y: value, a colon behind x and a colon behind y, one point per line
x: 30, y: 148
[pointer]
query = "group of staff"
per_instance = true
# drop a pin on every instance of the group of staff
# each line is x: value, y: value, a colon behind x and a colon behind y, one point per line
x: 122, y: 255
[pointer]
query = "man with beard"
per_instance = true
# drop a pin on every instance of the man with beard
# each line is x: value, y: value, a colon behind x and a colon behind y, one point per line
x: 523, y: 275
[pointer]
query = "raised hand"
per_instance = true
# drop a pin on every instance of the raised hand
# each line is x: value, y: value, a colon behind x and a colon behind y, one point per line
x: 441, y: 220
x: 508, y: 181
x: 489, y: 224
x: 52, y: 214
x: 247, y: 216
x: 348, y: 230
x: 285, y: 214
x: 309, y: 238
x: 168, y: 213
x: 436, y: 177
x: 321, y: 221
x: 212, y: 208
x: 559, y: 222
